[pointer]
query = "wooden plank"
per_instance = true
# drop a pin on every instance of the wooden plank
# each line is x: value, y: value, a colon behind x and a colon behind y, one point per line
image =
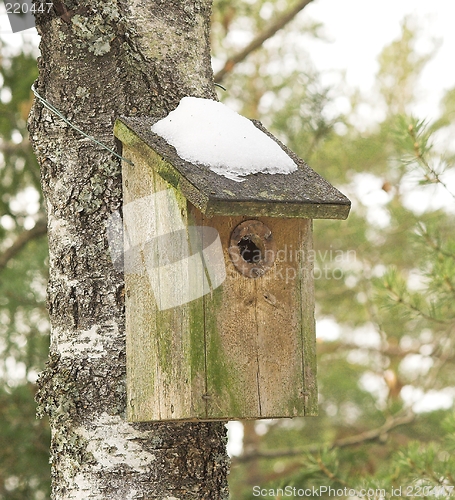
x: 302, y: 193
x: 280, y: 210
x: 165, y: 379
x: 279, y: 317
x: 231, y: 340
x: 255, y: 348
x: 308, y: 326
x: 140, y: 307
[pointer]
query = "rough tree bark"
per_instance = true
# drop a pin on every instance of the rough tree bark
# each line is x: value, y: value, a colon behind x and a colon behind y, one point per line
x: 99, y: 60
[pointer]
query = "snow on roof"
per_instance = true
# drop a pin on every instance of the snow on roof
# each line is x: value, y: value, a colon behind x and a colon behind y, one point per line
x: 209, y: 133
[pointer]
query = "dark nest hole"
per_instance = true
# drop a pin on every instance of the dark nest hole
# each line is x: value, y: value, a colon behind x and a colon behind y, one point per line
x: 249, y: 251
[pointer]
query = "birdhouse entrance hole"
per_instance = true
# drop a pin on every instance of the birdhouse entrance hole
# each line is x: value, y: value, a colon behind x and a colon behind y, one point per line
x: 249, y: 250
x: 252, y: 248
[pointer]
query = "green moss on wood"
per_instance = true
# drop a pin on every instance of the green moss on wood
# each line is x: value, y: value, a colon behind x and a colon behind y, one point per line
x: 197, y: 338
x: 276, y: 209
x: 221, y: 372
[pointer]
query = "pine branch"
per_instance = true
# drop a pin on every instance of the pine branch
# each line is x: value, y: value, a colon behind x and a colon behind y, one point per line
x: 323, y: 468
x: 400, y: 299
x: 260, y: 39
x: 420, y: 149
x: 434, y: 243
x: 364, y: 437
x: 39, y: 229
x: 440, y: 362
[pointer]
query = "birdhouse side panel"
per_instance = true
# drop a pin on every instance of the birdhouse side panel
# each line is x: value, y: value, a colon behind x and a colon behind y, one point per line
x: 232, y: 363
x: 165, y: 379
x: 308, y: 327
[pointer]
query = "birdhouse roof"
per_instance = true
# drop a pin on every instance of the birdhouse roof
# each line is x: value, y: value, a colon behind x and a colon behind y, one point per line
x: 301, y: 193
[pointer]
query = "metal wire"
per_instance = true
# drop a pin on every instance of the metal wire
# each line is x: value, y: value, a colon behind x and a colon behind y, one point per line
x: 54, y: 110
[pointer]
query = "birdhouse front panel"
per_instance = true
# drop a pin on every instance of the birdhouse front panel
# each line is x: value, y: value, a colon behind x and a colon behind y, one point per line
x: 219, y: 285
x: 260, y: 350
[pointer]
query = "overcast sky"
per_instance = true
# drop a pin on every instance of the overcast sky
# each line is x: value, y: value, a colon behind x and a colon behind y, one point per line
x: 359, y: 29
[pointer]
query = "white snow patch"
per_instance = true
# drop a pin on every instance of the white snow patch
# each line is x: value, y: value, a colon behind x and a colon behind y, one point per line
x: 209, y: 133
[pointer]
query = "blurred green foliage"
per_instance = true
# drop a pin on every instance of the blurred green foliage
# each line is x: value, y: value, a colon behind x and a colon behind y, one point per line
x: 24, y: 327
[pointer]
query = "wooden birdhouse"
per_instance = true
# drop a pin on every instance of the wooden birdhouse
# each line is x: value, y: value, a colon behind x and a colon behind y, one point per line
x: 218, y: 283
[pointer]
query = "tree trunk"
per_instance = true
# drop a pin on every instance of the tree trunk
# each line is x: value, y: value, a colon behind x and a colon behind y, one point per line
x: 100, y: 60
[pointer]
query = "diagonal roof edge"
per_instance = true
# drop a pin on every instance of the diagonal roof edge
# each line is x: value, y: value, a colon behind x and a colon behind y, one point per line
x: 302, y: 193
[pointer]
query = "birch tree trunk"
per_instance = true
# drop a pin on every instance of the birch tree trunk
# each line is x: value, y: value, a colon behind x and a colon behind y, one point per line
x: 100, y: 60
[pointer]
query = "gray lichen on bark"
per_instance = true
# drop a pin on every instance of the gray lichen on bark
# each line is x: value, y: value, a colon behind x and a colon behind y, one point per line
x: 100, y: 60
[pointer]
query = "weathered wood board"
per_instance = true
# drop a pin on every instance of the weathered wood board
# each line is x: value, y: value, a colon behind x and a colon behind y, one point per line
x: 165, y: 379
x: 259, y: 363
